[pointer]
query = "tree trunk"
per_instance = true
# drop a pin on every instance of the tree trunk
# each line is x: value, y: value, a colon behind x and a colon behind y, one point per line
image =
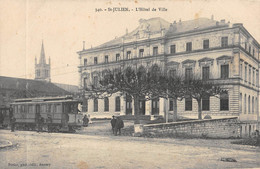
x: 136, y: 105
x: 199, y: 109
x: 174, y: 109
x: 136, y: 109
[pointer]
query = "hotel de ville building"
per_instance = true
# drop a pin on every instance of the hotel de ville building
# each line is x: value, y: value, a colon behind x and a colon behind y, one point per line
x: 217, y: 51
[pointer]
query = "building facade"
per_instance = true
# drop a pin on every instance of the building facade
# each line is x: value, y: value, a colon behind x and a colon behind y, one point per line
x: 218, y: 51
x: 42, y: 69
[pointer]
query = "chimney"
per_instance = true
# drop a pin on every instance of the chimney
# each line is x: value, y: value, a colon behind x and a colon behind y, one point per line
x: 83, y: 45
x: 126, y: 31
x: 212, y: 17
x: 174, y: 22
x: 217, y: 23
x: 222, y: 21
x: 180, y: 21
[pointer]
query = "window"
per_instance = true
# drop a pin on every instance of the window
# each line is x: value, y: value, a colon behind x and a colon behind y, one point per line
x: 95, y: 105
x: 205, y: 73
x: 224, y: 71
x: 240, y: 103
x: 95, y: 80
x: 241, y: 71
x: 128, y: 55
x: 249, y: 49
x: 117, y: 57
x: 245, y: 104
x: 188, y: 47
x: 170, y: 105
x: 253, y: 105
x: 106, y: 59
x: 188, y: 104
x: 224, y: 105
x: 48, y: 108
x: 257, y: 78
x: 85, y: 62
x: 249, y: 71
x: 253, y: 77
x: 173, y: 49
x: 117, y: 103
x: 85, y: 82
x: 254, y: 52
x: 106, y: 104
x: 95, y: 60
x: 155, y: 51
x: 224, y: 41
x: 245, y: 72
x: 141, y: 53
x: 246, y: 46
x: 205, y: 44
x: 172, y: 72
x: 86, y: 104
x: 188, y: 73
x: 256, y: 105
x: 249, y: 105
x: 205, y: 103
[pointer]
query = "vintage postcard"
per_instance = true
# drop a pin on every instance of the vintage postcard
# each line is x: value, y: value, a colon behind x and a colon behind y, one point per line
x: 129, y: 84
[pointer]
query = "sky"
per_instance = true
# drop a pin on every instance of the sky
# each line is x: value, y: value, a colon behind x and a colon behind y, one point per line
x: 63, y: 25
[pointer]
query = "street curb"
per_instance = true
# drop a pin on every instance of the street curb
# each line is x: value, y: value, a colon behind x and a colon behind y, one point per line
x: 7, y: 144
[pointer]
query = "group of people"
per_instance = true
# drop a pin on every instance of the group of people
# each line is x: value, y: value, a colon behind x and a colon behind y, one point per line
x: 117, y: 124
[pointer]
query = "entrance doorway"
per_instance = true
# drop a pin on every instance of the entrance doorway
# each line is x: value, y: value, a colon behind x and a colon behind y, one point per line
x: 155, y: 106
x: 142, y: 107
x: 128, y: 102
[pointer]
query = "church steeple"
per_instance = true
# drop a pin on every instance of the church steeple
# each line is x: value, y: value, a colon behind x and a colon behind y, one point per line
x: 42, y: 57
x: 42, y: 70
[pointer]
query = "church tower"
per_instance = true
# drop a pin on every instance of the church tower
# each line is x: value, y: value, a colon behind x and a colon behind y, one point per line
x: 42, y: 69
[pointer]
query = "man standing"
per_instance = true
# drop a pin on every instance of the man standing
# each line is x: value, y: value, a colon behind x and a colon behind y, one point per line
x: 119, y: 125
x: 13, y: 120
x: 113, y: 123
x: 49, y: 122
x: 85, y: 121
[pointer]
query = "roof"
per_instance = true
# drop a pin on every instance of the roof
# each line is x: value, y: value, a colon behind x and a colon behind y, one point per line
x: 152, y: 25
x: 32, y: 86
x: 192, y: 25
x: 158, y: 24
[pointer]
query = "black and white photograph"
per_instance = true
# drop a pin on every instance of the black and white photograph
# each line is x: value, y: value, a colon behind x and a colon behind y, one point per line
x: 109, y: 84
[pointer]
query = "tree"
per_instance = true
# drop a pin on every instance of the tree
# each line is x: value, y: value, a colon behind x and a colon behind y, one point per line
x: 172, y: 87
x: 138, y: 83
x: 197, y: 88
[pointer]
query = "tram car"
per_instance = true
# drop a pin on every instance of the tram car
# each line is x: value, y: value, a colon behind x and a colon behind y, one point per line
x: 59, y: 114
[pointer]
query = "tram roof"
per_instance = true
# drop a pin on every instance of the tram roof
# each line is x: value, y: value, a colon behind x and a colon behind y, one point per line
x: 45, y: 100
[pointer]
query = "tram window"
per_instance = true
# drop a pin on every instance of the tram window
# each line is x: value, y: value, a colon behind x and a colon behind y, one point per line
x: 48, y: 108
x: 43, y: 108
x: 25, y: 108
x: 54, y: 108
x: 30, y: 108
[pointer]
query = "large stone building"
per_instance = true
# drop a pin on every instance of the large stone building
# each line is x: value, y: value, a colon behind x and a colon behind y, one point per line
x: 216, y: 50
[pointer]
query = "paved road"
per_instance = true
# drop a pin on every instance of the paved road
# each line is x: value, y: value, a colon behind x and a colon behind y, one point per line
x: 89, y: 150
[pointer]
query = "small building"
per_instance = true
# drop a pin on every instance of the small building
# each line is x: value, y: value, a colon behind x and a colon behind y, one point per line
x: 14, y: 88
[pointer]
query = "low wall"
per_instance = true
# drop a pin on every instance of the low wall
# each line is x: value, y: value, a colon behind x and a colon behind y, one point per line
x: 212, y: 128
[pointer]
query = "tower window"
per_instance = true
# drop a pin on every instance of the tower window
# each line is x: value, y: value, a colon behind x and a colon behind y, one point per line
x: 128, y: 55
x: 106, y: 59
x: 117, y: 57
x: 95, y: 60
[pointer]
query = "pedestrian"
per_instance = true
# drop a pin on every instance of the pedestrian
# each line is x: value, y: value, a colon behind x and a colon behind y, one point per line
x: 40, y: 123
x: 85, y: 121
x: 13, y: 120
x: 49, y: 123
x: 113, y: 123
x: 119, y: 124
